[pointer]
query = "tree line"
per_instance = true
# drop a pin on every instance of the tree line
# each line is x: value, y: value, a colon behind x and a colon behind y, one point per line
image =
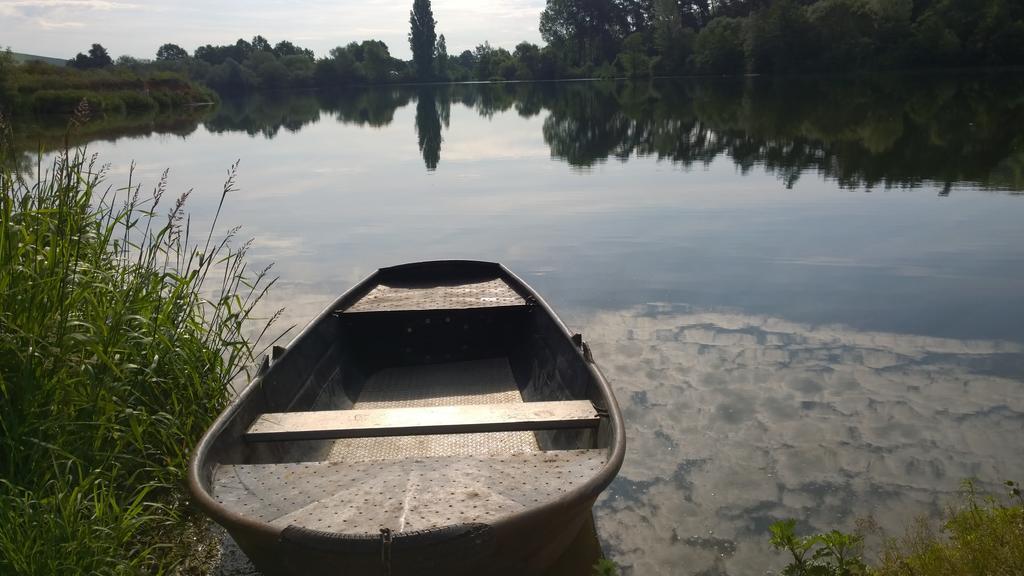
x: 107, y: 90
x: 860, y: 132
x: 595, y: 38
x: 615, y: 38
x: 668, y: 37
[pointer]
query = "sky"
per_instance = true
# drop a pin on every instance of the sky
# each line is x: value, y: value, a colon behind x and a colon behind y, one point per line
x: 62, y: 28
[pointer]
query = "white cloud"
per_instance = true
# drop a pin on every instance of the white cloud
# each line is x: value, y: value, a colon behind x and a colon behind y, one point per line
x: 734, y: 420
x: 79, y: 4
x: 56, y: 25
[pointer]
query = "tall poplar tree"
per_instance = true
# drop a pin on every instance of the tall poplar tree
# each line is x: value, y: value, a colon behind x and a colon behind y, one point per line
x: 422, y: 38
x: 442, y: 57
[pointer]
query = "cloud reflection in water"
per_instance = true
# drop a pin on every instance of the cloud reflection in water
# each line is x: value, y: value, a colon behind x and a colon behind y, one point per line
x: 734, y: 421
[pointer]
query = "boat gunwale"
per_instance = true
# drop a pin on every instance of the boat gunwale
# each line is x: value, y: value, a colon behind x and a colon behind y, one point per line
x: 585, y: 491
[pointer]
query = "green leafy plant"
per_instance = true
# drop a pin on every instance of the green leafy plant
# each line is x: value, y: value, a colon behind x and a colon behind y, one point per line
x: 982, y: 536
x: 605, y: 567
x: 832, y: 553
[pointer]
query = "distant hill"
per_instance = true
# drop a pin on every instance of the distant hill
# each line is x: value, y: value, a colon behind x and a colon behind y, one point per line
x: 22, y: 58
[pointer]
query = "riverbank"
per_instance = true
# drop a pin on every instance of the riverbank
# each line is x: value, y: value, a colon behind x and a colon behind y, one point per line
x: 43, y: 90
x: 119, y: 335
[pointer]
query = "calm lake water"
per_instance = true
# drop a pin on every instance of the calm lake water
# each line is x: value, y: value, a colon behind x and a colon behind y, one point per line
x: 808, y: 295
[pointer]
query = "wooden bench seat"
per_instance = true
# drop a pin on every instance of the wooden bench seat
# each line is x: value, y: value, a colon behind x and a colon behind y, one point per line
x: 325, y: 424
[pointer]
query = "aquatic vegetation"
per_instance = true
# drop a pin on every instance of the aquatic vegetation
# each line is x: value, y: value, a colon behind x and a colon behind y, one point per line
x: 981, y: 535
x: 120, y: 333
x: 833, y: 553
x: 605, y: 567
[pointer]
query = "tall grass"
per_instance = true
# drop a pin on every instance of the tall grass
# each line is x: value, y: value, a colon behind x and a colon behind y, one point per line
x: 120, y: 333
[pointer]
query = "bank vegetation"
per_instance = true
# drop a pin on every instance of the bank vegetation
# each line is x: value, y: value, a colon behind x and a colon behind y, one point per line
x: 121, y: 328
x: 597, y: 38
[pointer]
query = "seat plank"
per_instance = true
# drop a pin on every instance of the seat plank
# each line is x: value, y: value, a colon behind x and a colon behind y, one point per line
x: 324, y: 424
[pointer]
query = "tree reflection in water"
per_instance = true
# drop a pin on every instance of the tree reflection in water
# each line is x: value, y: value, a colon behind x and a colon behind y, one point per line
x: 884, y: 131
x: 428, y: 127
x: 859, y: 132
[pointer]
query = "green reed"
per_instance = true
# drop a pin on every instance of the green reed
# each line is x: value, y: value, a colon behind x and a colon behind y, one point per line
x: 120, y: 334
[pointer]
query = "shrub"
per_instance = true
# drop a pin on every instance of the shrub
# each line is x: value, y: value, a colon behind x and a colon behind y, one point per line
x: 135, y: 102
x: 718, y: 48
x: 981, y: 536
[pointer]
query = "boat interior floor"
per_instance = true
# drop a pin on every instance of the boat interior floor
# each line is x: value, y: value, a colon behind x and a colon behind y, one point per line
x: 487, y: 381
x: 417, y: 482
x: 404, y: 494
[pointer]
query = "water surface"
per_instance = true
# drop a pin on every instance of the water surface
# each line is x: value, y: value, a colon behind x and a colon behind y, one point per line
x: 808, y: 294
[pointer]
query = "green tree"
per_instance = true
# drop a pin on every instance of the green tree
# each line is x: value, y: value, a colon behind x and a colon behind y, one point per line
x: 218, y: 54
x: 467, y: 59
x: 300, y: 69
x: 286, y: 48
x: 8, y: 90
x: 126, y: 61
x: 845, y: 34
x: 695, y: 13
x: 893, y: 20
x: 738, y: 8
x: 171, y: 52
x: 422, y: 38
x: 634, y: 15
x: 494, y: 63
x: 633, y: 60
x: 376, y: 60
x: 270, y: 73
x: 80, y: 61
x: 230, y: 76
x: 528, y: 61
x: 261, y: 44
x: 442, y: 57
x: 98, y: 57
x: 672, y: 42
x: 368, y: 61
x: 588, y: 32
x: 778, y: 38
x: 337, y: 70
x: 934, y: 44
x: 719, y: 47
x: 241, y: 50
